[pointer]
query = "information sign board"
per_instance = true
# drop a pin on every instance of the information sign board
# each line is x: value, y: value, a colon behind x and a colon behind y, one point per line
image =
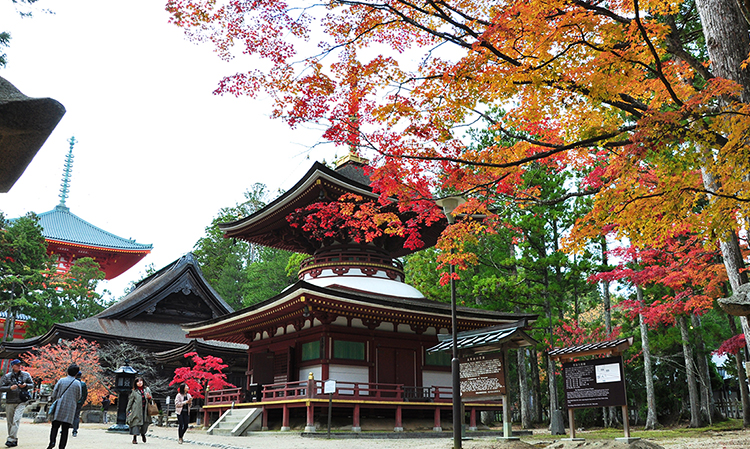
x: 329, y: 386
x: 594, y: 383
x: 482, y: 376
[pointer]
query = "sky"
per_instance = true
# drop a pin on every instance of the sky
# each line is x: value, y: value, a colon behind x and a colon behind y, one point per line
x: 158, y: 154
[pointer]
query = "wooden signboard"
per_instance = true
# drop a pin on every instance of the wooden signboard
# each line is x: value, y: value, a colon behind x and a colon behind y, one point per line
x: 483, y: 376
x: 594, y: 383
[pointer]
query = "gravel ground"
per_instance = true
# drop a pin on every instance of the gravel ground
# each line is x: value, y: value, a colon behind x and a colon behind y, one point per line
x: 94, y: 436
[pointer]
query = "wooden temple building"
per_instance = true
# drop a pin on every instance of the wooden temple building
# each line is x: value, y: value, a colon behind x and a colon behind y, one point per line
x: 151, y: 317
x: 70, y: 237
x: 349, y: 318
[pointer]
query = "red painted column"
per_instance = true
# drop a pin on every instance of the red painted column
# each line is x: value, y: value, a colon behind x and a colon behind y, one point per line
x: 473, y: 419
x: 438, y: 427
x: 265, y: 419
x: 310, y: 426
x: 356, y: 426
x: 285, y: 418
x: 399, y: 425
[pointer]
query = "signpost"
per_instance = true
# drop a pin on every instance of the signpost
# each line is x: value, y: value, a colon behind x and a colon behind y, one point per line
x: 595, y: 383
x: 483, y: 376
x: 329, y: 387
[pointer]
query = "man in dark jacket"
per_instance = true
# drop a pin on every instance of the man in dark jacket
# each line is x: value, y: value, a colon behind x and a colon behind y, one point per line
x: 17, y: 386
x: 84, y: 395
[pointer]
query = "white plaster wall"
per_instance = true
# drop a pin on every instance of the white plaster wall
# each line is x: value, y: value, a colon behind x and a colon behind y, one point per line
x: 347, y: 373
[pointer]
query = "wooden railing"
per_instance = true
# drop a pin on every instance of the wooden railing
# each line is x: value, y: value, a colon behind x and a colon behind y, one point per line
x: 285, y: 390
x: 223, y: 396
x: 344, y: 390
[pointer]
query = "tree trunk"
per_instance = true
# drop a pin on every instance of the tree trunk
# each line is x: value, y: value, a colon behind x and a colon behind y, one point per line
x: 536, y: 387
x: 608, y: 412
x: 704, y: 378
x: 651, y: 420
x: 744, y: 393
x: 728, y: 44
x: 687, y: 351
x: 523, y: 389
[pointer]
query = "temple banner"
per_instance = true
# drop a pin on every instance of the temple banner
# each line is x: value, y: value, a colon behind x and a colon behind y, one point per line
x: 594, y: 383
x: 482, y: 377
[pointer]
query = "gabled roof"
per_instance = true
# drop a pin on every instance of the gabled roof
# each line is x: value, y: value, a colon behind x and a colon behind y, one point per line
x: 183, y: 275
x: 488, y: 339
x: 60, y: 225
x: 609, y: 347
x: 133, y: 319
x: 269, y: 227
x: 291, y: 303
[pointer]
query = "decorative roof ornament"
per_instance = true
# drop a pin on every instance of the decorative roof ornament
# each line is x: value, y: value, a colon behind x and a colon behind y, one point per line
x: 67, y: 171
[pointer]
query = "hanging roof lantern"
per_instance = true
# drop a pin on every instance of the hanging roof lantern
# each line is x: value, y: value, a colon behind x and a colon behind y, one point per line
x: 25, y: 124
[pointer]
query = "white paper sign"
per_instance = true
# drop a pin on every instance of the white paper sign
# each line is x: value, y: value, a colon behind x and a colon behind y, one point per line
x: 329, y: 386
x: 608, y: 373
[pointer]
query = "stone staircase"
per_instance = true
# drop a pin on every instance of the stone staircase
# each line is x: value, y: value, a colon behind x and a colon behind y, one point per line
x: 236, y: 422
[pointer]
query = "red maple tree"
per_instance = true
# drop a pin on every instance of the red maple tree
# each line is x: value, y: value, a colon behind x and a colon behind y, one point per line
x: 205, y: 372
x: 50, y: 362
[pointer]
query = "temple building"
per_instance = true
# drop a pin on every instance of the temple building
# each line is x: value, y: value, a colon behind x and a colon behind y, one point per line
x: 151, y: 317
x: 350, y: 318
x: 70, y: 237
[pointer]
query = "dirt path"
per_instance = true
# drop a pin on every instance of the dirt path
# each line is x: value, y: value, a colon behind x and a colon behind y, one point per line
x: 94, y: 436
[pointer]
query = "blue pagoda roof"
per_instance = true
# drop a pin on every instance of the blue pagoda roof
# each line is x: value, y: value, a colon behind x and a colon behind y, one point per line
x: 61, y: 225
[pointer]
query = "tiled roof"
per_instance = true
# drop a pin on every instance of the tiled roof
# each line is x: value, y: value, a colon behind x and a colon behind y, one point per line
x: 61, y: 225
x: 496, y: 335
x: 599, y: 346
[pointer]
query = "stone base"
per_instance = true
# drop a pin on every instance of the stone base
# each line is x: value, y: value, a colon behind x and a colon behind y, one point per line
x: 283, y: 428
x: 627, y: 440
x: 572, y: 439
x: 356, y: 429
x: 437, y: 429
x: 398, y: 429
x: 309, y: 429
x: 472, y: 429
x: 508, y: 438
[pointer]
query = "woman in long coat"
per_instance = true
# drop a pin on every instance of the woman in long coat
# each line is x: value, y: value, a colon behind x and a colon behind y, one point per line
x: 138, y: 419
x: 67, y: 392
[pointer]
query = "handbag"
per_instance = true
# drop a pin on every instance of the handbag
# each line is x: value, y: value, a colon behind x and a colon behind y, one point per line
x: 151, y: 408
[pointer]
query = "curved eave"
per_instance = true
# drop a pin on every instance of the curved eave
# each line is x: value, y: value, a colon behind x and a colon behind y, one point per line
x: 145, y: 250
x: 288, y: 306
x: 317, y: 173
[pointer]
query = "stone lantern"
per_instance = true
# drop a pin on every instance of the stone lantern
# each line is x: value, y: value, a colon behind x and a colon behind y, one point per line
x: 124, y: 377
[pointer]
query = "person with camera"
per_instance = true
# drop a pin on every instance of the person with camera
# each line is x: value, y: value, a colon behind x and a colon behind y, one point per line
x: 17, y: 385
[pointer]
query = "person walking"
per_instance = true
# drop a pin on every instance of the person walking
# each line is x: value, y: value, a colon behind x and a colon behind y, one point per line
x: 182, y: 403
x: 84, y: 395
x: 105, y: 408
x: 137, y: 417
x: 17, y: 385
x: 67, y: 393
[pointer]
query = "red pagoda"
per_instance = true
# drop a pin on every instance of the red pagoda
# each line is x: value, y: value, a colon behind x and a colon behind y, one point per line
x: 349, y: 318
x: 70, y: 237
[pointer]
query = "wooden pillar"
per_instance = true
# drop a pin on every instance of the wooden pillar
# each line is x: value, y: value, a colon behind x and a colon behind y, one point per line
x: 399, y: 425
x: 438, y: 426
x: 310, y: 426
x: 265, y: 418
x: 205, y: 418
x: 356, y: 426
x: 507, y: 426
x: 572, y: 422
x: 473, y: 419
x: 285, y: 418
x: 625, y: 421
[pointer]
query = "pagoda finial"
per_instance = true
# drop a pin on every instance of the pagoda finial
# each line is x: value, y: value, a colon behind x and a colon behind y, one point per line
x: 67, y: 170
